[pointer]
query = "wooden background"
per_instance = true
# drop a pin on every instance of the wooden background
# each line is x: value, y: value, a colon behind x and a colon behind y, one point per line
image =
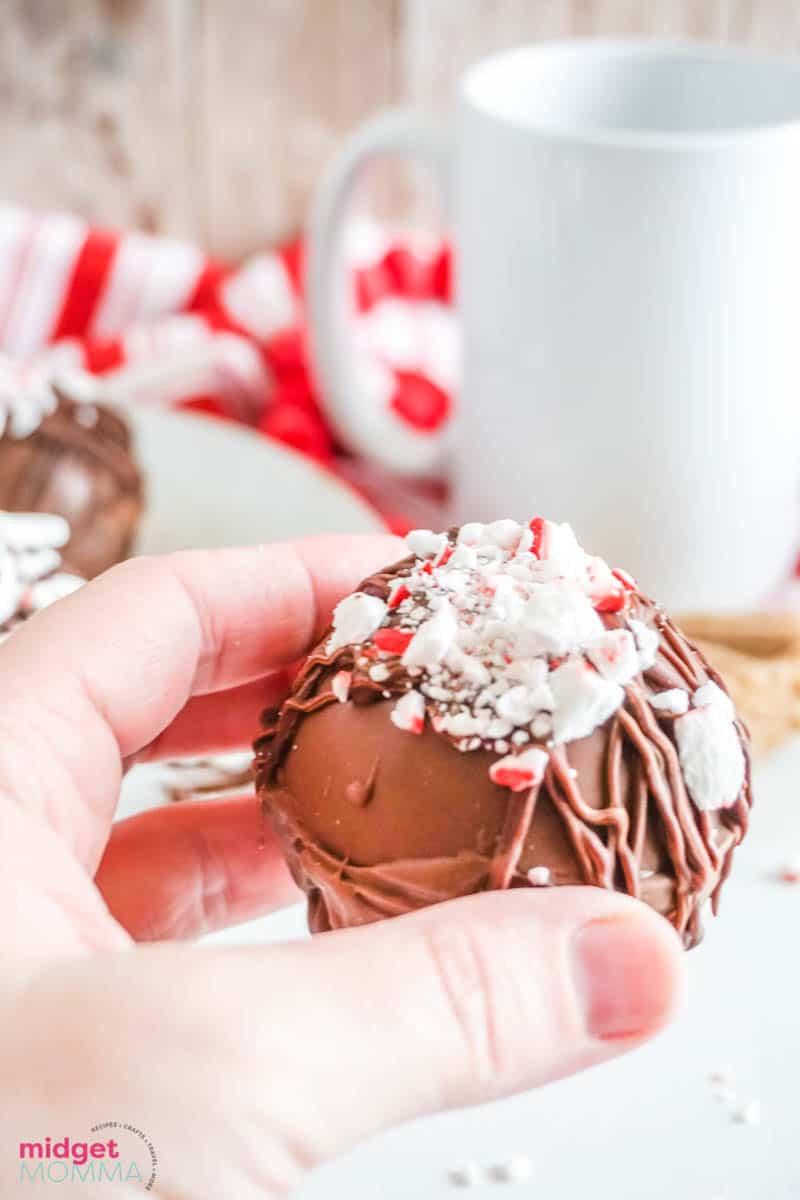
x: 213, y: 118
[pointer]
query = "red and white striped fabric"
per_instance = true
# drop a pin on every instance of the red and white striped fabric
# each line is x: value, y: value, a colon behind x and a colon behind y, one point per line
x: 163, y: 323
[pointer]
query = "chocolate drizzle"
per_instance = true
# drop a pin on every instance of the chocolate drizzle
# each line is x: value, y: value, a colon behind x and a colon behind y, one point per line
x: 630, y: 824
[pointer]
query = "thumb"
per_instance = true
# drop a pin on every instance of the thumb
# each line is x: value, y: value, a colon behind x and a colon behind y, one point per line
x: 289, y: 1055
x: 479, y: 998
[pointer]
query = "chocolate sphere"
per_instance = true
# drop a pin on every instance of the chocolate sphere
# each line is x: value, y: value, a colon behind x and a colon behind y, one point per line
x: 500, y: 709
x: 74, y: 460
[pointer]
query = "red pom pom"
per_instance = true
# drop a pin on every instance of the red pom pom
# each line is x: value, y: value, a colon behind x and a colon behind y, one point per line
x: 297, y: 425
x: 419, y: 402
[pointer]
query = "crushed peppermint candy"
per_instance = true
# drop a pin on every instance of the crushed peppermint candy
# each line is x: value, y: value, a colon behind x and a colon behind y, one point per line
x: 355, y: 619
x: 520, y: 772
x: 29, y: 562
x: 409, y: 712
x: 511, y: 634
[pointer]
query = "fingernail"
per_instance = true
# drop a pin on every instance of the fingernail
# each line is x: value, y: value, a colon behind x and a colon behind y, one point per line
x: 625, y: 971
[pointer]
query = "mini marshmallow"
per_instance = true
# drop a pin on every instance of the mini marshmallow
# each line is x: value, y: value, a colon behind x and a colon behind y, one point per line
x: 505, y: 534
x: 470, y: 534
x: 426, y: 544
x: 674, y: 701
x: 583, y: 700
x: 355, y: 619
x: 408, y: 713
x: 711, y: 695
x: 711, y: 757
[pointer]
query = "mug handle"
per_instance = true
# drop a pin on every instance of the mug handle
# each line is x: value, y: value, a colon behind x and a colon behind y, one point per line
x: 353, y: 414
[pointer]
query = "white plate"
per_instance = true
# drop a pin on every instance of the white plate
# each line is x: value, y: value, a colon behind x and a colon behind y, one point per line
x: 212, y: 483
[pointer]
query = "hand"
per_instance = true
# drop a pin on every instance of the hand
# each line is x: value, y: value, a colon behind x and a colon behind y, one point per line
x: 245, y: 1066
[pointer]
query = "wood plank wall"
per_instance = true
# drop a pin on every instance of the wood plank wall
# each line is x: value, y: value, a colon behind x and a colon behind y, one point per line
x: 213, y: 118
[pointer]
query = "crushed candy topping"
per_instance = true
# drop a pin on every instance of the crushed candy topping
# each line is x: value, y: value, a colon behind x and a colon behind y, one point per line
x: 409, y: 712
x: 29, y: 562
x: 510, y: 634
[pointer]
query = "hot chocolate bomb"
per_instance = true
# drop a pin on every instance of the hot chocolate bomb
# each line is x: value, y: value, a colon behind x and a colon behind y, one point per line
x: 59, y: 455
x: 500, y: 709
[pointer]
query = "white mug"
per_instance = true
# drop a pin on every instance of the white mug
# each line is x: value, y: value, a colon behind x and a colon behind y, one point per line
x: 627, y: 229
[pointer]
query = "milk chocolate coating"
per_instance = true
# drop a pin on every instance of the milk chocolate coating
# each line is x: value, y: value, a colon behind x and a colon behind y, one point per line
x: 375, y: 821
x: 78, y: 464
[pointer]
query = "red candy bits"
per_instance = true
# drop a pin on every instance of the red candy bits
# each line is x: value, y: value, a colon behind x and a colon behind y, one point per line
x: 392, y: 641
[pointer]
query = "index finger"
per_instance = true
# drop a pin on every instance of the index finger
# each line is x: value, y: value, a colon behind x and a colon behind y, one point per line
x: 91, y: 680
x: 142, y: 639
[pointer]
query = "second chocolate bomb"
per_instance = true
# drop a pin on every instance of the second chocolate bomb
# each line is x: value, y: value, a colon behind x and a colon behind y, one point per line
x: 60, y: 455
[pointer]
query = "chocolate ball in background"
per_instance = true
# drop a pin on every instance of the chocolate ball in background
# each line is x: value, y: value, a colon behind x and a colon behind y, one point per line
x: 500, y: 709
x: 59, y: 455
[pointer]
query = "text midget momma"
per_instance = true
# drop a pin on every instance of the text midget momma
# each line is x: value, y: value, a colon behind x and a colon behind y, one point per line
x: 63, y: 1160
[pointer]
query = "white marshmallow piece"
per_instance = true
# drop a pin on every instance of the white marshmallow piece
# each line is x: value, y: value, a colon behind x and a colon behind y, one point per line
x: 520, y: 772
x: 583, y: 700
x: 408, y: 713
x: 426, y: 544
x: 505, y: 534
x: 711, y: 695
x: 355, y: 619
x: 615, y: 656
x: 711, y: 757
x: 470, y: 534
x: 674, y: 701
